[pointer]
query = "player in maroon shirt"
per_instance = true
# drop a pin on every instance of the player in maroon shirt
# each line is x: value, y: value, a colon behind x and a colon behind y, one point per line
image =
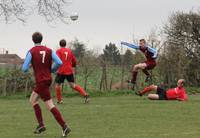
x: 150, y: 54
x: 41, y: 59
x: 177, y: 93
x: 66, y: 71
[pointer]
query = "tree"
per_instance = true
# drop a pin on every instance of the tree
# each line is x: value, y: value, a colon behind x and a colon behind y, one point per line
x: 184, y: 30
x: 88, y: 65
x: 111, y: 54
x: 181, y: 55
x: 78, y: 48
x: 128, y: 58
x: 51, y: 10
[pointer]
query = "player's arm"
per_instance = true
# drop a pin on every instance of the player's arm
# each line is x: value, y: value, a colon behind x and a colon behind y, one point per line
x: 130, y: 45
x: 58, y: 54
x: 27, y: 62
x: 153, y: 50
x: 57, y: 62
x: 182, y: 96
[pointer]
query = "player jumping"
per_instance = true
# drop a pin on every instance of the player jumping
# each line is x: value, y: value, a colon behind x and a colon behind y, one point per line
x: 177, y: 93
x: 150, y: 54
x: 41, y: 59
x: 65, y: 71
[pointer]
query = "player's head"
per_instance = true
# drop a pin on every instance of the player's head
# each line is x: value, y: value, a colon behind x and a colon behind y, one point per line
x: 180, y: 83
x: 37, y: 37
x: 62, y: 43
x: 142, y: 42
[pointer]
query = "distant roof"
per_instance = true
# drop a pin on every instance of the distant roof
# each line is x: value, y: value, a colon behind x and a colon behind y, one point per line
x: 10, y: 59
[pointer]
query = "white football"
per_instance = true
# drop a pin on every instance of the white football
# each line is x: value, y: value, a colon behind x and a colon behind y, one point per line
x: 74, y: 16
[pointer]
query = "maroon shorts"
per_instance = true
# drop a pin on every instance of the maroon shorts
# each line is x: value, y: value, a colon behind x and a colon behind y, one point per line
x: 150, y: 64
x: 42, y: 89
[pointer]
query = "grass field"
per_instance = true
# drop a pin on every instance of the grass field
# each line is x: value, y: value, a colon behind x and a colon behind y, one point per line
x: 124, y: 116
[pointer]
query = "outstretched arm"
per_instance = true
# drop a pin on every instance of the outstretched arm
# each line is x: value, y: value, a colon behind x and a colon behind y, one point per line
x: 153, y: 50
x: 130, y: 45
x: 57, y: 62
x: 27, y: 62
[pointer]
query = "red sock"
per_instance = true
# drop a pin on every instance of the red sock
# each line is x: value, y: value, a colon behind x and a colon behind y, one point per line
x: 80, y: 90
x: 38, y: 114
x: 134, y: 76
x: 146, y: 89
x: 58, y: 117
x: 58, y: 93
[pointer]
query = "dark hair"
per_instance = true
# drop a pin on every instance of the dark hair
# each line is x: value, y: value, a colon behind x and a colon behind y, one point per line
x: 62, y: 43
x: 37, y: 37
x: 143, y: 40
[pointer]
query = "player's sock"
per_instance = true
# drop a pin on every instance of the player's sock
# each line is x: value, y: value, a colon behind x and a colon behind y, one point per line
x: 146, y: 72
x: 80, y: 90
x: 148, y: 75
x: 38, y: 114
x: 146, y: 89
x: 58, y: 117
x: 134, y: 77
x: 58, y: 93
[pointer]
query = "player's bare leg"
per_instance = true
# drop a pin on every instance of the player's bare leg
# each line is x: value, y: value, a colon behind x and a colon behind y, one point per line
x: 135, y: 69
x: 38, y: 113
x: 80, y: 90
x: 57, y: 115
x: 153, y: 96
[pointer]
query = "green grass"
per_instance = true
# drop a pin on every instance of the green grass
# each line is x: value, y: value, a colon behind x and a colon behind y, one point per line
x: 125, y: 116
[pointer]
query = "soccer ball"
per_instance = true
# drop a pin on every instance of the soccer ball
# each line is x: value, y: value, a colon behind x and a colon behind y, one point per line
x: 74, y: 16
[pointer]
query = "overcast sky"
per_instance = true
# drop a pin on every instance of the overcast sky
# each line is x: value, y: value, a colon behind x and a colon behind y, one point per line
x: 100, y: 22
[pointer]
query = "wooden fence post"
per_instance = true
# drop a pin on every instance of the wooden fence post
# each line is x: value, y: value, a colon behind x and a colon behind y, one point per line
x: 26, y: 86
x: 15, y: 86
x: 5, y: 87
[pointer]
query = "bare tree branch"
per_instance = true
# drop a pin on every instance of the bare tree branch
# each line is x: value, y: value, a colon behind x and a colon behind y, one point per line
x: 19, y: 10
x: 11, y: 10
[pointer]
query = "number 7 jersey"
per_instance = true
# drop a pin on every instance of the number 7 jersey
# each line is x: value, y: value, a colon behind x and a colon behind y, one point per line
x: 41, y: 62
x: 68, y: 59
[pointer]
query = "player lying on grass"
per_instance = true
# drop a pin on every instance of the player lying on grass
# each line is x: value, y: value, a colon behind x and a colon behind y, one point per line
x: 41, y: 59
x: 150, y: 54
x: 66, y: 71
x: 177, y: 93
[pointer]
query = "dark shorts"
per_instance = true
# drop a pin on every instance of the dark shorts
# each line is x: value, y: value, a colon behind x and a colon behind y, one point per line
x: 161, y: 93
x: 61, y: 78
x: 150, y: 64
x: 42, y: 89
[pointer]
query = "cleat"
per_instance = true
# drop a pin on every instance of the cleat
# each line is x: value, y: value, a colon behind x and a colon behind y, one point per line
x: 66, y: 131
x: 148, y: 79
x: 39, y: 129
x: 87, y: 100
x: 138, y: 94
x: 128, y: 81
x: 133, y: 87
x: 60, y: 102
x: 131, y: 84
